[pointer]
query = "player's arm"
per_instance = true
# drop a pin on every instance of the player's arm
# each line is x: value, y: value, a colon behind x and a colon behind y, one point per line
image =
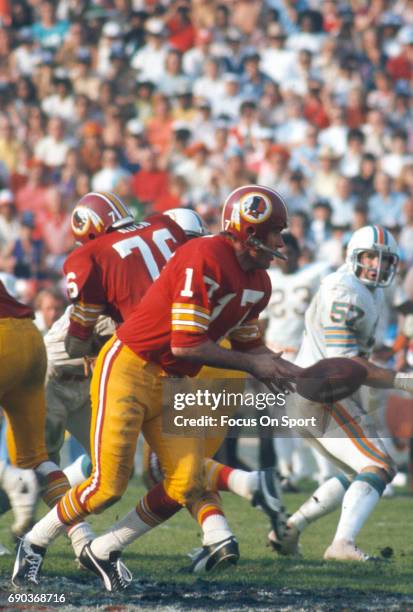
x: 385, y: 378
x: 191, y: 314
x: 86, y: 294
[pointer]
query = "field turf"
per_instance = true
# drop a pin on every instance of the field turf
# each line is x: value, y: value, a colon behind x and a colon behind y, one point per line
x: 260, y: 581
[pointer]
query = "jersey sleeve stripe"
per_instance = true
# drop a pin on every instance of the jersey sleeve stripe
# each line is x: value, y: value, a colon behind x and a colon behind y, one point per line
x: 85, y: 322
x: 190, y: 317
x: 189, y: 328
x: 191, y: 307
x: 189, y: 324
x: 185, y: 311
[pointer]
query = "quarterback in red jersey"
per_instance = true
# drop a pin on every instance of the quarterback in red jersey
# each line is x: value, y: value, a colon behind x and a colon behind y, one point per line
x: 99, y: 273
x: 212, y: 287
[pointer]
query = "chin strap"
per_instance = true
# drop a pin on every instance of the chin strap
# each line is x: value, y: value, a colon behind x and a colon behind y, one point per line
x: 257, y: 244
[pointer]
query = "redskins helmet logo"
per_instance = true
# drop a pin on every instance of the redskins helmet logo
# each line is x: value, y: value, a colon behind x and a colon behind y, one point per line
x: 255, y: 207
x: 83, y: 219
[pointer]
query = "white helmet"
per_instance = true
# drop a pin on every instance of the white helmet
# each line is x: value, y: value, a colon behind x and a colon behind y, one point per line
x: 188, y: 220
x: 374, y: 238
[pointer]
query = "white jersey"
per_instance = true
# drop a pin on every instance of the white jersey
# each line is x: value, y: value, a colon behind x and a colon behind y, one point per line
x: 290, y: 297
x: 55, y: 339
x: 341, y: 320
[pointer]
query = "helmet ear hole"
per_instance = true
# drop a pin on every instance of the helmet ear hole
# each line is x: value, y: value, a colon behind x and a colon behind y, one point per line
x: 250, y: 231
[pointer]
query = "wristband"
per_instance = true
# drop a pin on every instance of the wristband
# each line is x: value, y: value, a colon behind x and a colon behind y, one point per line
x: 404, y: 382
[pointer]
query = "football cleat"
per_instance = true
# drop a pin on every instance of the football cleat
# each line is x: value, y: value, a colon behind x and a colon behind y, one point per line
x: 113, y: 572
x: 218, y: 555
x: 288, y: 546
x: 29, y: 559
x: 22, y: 489
x: 268, y: 497
x: 344, y: 550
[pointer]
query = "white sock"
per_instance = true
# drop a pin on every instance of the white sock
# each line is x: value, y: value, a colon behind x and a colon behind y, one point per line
x: 243, y: 483
x: 80, y: 535
x: 46, y: 530
x: 215, y: 528
x: 78, y: 471
x: 123, y: 533
x: 358, y: 503
x: 324, y: 500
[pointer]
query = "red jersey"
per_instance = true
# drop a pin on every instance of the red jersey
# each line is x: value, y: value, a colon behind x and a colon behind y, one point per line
x: 10, y: 308
x: 110, y: 275
x: 202, y: 294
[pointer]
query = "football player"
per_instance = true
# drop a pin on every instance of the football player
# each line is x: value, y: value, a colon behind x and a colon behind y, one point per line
x: 211, y: 288
x: 341, y: 321
x: 106, y: 277
x: 22, y: 374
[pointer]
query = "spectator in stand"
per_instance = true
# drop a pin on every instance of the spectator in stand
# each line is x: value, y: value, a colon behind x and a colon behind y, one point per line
x: 194, y: 58
x: 55, y: 230
x: 275, y: 170
x: 149, y: 61
x: 209, y: 85
x: 49, y: 31
x: 9, y: 222
x: 276, y: 60
x: 335, y: 136
x: 159, y: 127
x: 61, y: 103
x: 196, y: 170
x: 351, y: 160
x: 393, y: 162
x: 177, y: 196
x: 401, y: 66
x: 150, y: 182
x: 9, y: 144
x: 325, y: 177
x: 362, y: 185
x: 32, y: 195
x: 27, y: 251
x: 91, y: 146
x: 405, y: 239
x: 385, y: 205
x: 53, y: 148
x: 106, y: 178
x: 342, y: 203
x: 173, y: 78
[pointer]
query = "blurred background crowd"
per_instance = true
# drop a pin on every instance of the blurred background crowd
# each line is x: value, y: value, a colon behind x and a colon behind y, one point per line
x: 177, y: 102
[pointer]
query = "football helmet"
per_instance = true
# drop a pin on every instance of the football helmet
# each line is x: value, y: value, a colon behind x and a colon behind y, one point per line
x: 188, y: 220
x: 379, y: 240
x: 96, y: 213
x: 251, y: 212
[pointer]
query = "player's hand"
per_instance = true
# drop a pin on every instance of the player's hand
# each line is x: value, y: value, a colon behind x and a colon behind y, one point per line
x: 276, y: 371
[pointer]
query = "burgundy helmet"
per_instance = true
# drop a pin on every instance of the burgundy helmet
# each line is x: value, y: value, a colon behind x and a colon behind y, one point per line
x: 96, y: 213
x: 251, y: 212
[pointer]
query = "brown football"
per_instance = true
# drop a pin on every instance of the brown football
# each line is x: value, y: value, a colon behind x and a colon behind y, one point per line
x: 330, y: 380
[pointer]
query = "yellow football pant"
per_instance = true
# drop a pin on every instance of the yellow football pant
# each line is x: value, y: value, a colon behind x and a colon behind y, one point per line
x: 22, y: 371
x: 126, y: 394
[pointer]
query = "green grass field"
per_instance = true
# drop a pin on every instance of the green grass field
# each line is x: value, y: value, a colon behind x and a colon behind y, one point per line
x: 260, y: 581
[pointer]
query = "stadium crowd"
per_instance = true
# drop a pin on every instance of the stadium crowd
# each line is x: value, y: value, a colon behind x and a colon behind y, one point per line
x: 178, y: 102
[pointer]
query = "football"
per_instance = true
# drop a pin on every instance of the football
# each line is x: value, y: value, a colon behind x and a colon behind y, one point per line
x: 330, y: 380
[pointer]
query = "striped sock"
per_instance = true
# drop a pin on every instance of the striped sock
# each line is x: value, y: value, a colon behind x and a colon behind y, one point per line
x: 210, y: 516
x: 53, y: 482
